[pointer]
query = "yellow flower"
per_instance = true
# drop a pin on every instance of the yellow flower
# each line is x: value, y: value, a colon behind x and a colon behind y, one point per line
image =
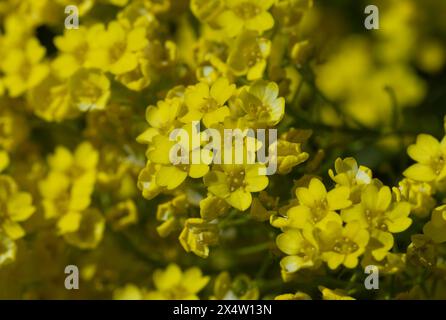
x: 172, y: 175
x: 234, y: 183
x: 208, y: 103
x: 57, y: 100
x: 198, y: 235
x: 430, y: 155
x: 418, y: 194
x: 301, y: 248
x: 288, y: 13
x: 161, y: 118
x: 73, y: 49
x: 329, y: 294
x: 301, y: 51
x: 8, y: 249
x: 343, y: 245
x: 14, y: 127
x: 89, y: 232
x: 239, y: 288
x: 174, y: 284
x: 139, y: 78
x: 128, y: 292
x: 122, y: 215
x: 376, y: 211
x: 89, y: 90
x: 261, y: 104
x: 380, y: 216
x: 422, y: 251
x: 172, y: 214
x: 248, y: 56
x: 24, y: 68
x: 213, y: 207
x: 51, y: 101
x: 67, y: 189
x: 293, y: 296
x: 289, y: 155
x: 147, y: 181
x: 349, y: 174
x: 317, y: 206
x: 116, y: 49
x: 246, y: 14
x: 16, y: 206
x: 436, y: 227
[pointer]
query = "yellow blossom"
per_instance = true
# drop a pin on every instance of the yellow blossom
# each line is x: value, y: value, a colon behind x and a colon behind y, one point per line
x: 198, y: 235
x: 436, y: 227
x: 317, y: 206
x: 234, y: 183
x: 208, y: 103
x: 430, y: 155
x: 343, y: 245
x: 246, y: 14
x: 174, y: 284
x: 16, y: 206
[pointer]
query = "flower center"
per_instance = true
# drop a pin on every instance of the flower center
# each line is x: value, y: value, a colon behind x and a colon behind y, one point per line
x: 247, y: 10
x: 345, y: 246
x: 252, y: 56
x: 319, y: 210
x: 208, y: 106
x: 236, y: 180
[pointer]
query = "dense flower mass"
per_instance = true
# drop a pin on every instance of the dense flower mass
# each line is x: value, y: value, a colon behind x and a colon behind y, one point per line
x: 222, y: 149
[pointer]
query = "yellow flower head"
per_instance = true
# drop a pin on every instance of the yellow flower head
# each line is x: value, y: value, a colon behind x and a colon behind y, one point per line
x: 198, y: 235
x: 418, y: 194
x: 89, y: 232
x: 246, y: 14
x: 289, y: 155
x: 174, y: 284
x: 172, y: 175
x: 430, y: 155
x: 317, y: 206
x: 67, y: 189
x: 301, y: 248
x: 213, y: 207
x: 234, y: 183
x: 116, y: 49
x: 161, y: 118
x: 208, y: 103
x: 343, y: 245
x: 240, y: 287
x: 261, y: 104
x: 248, y: 56
x: 122, y: 215
x: 289, y: 13
x: 147, y: 181
x: 436, y: 227
x: 293, y: 296
x: 8, y: 249
x: 377, y: 211
x: 73, y: 47
x: 89, y: 90
x: 329, y: 294
x: 24, y: 68
x: 172, y: 214
x: 16, y: 206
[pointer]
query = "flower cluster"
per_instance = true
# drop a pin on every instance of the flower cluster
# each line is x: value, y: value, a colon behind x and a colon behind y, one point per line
x: 222, y: 149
